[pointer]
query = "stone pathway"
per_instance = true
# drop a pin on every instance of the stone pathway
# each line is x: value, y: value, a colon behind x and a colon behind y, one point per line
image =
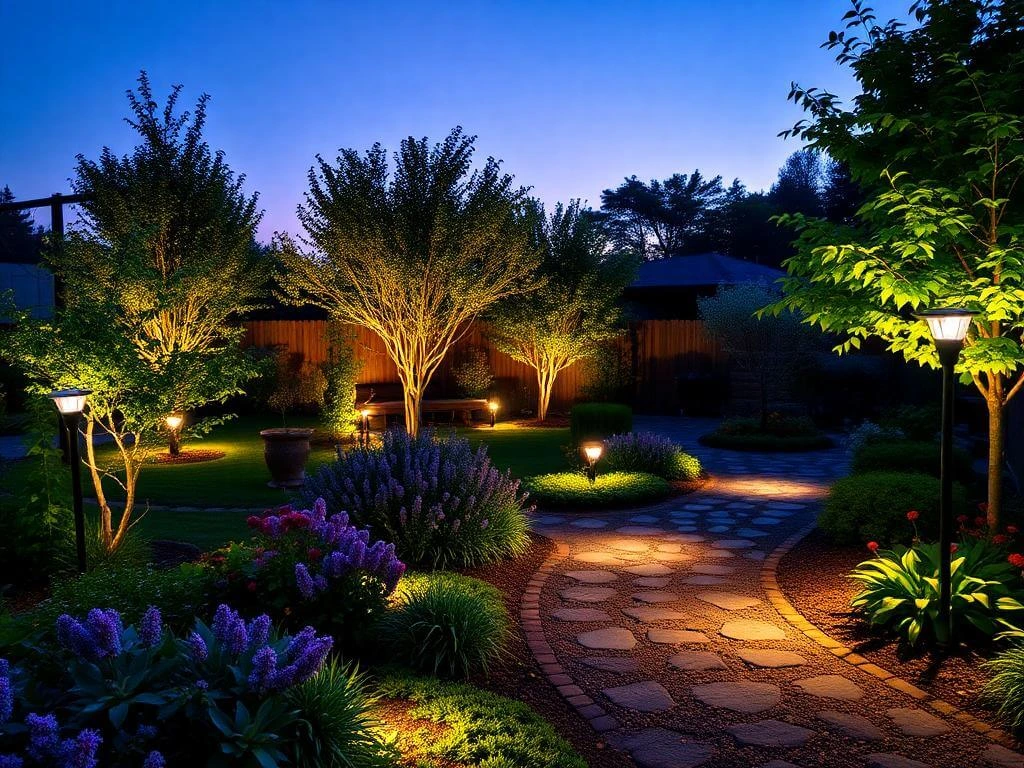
x: 655, y: 626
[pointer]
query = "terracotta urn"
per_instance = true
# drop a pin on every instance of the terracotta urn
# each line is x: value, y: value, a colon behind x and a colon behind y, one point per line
x: 285, y: 450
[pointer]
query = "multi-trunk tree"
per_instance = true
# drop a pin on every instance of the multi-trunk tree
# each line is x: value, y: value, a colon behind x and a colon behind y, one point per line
x: 576, y: 307
x: 415, y: 253
x: 935, y: 142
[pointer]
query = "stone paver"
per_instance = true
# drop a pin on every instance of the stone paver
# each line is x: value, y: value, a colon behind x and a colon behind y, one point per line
x: 830, y: 687
x: 662, y: 748
x: 770, y: 658
x: 854, y: 726
x: 581, y: 614
x: 697, y: 661
x: 739, y: 695
x: 917, y: 722
x: 607, y: 639
x: 646, y: 696
x: 752, y: 629
x: 770, y: 733
x: 592, y: 577
x: 728, y: 601
x: 611, y: 663
x: 676, y: 636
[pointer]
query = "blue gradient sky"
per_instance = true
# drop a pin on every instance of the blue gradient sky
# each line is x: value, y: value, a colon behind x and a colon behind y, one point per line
x: 573, y: 95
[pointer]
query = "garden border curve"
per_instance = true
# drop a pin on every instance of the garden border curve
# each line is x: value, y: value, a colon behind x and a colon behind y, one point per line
x: 770, y: 585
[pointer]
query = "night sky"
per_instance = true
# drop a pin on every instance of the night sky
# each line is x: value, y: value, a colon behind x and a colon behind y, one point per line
x: 573, y: 96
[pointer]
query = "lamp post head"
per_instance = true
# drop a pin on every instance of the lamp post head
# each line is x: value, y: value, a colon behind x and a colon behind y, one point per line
x: 365, y: 413
x: 948, y: 325
x: 492, y: 405
x: 174, y: 421
x: 70, y: 401
x: 593, y: 451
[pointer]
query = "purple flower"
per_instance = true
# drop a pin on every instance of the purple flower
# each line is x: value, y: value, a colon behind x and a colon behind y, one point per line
x: 106, y: 628
x: 154, y: 760
x: 43, y: 736
x: 304, y: 581
x: 483, y: 524
x: 146, y: 732
x: 151, y: 627
x: 80, y: 752
x: 222, y: 618
x: 11, y: 761
x: 198, y: 647
x: 264, y: 670
x: 6, y: 699
x: 202, y: 685
x: 259, y: 631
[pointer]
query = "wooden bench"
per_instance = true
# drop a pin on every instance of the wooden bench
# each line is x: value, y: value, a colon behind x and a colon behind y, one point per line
x: 368, y: 399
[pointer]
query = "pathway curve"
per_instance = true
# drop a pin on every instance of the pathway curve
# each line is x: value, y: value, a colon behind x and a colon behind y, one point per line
x: 655, y: 626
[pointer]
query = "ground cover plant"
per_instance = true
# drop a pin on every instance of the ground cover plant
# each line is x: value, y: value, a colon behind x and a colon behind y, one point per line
x: 647, y: 452
x: 776, y: 433
x: 441, y: 503
x: 609, y: 489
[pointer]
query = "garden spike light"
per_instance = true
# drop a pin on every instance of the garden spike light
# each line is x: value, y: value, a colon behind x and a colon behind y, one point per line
x: 592, y: 451
x: 492, y: 406
x: 70, y: 403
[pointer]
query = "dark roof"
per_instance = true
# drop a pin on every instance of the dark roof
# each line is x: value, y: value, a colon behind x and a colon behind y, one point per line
x: 702, y: 269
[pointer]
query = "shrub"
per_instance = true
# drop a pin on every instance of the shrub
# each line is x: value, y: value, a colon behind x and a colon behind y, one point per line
x: 596, y: 421
x: 867, y: 432
x: 446, y: 625
x: 916, y: 422
x: 218, y: 694
x: 442, y: 503
x: 873, y: 507
x: 480, y: 728
x: 341, y: 372
x: 473, y: 375
x: 647, y: 452
x: 1005, y: 688
x: 307, y: 567
x: 900, y: 591
x: 609, y: 372
x: 910, y: 456
x: 779, y: 434
x: 298, y: 385
x: 337, y: 727
x: 611, y: 489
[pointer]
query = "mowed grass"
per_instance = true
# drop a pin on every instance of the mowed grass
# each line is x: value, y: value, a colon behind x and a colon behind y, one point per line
x: 239, y: 480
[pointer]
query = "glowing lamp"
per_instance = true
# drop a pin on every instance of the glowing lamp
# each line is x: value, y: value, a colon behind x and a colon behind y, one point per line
x: 948, y: 324
x: 492, y: 406
x: 365, y: 413
x: 174, y: 421
x: 70, y: 402
x: 592, y: 452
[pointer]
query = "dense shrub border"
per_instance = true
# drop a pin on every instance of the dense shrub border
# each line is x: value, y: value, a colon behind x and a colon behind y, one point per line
x: 909, y: 456
x: 612, y: 489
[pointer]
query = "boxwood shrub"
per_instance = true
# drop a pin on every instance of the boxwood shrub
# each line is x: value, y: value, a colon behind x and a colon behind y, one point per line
x: 612, y: 489
x: 781, y: 434
x: 596, y: 421
x: 873, y: 507
x: 909, y: 456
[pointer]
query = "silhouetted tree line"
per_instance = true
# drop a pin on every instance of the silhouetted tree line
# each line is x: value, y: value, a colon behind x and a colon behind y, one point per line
x: 688, y: 213
x: 20, y: 238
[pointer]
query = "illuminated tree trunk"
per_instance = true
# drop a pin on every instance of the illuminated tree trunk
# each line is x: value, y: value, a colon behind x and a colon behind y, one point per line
x: 996, y: 437
x: 413, y: 407
x: 545, y: 383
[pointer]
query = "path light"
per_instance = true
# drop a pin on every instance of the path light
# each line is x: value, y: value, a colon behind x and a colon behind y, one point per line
x: 593, y: 452
x: 364, y: 429
x: 492, y: 406
x: 949, y: 329
x: 71, y: 403
x: 174, y: 422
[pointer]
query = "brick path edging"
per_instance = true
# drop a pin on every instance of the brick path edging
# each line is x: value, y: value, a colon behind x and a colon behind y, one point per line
x: 770, y: 585
x: 529, y: 615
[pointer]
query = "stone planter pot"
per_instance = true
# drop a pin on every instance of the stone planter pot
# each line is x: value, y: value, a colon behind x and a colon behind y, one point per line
x: 285, y: 451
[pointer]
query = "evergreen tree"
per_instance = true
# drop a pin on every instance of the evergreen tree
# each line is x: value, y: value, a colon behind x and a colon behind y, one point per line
x: 20, y: 238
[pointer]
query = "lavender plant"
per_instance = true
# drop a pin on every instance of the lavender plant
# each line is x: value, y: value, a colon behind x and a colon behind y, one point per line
x: 648, y: 452
x: 442, y: 503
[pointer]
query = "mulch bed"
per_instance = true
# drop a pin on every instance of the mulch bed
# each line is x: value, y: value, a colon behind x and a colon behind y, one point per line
x: 813, y: 578
x: 191, y: 456
x: 520, y: 677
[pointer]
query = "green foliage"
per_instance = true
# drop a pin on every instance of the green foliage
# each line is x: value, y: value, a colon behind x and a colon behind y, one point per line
x: 647, y: 452
x: 917, y: 422
x: 339, y: 415
x: 910, y: 456
x: 1005, y: 687
x: 596, y: 421
x: 298, y: 385
x: 776, y: 434
x: 575, y: 309
x: 336, y: 725
x: 446, y: 625
x: 611, y: 489
x: 480, y: 728
x: 900, y: 591
x: 873, y: 507
x: 473, y: 375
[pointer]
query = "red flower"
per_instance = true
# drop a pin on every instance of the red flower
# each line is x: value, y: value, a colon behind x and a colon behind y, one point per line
x: 961, y: 519
x: 873, y: 546
x: 1016, y: 560
x: 980, y: 521
x: 912, y: 515
x: 953, y: 548
x: 1012, y: 529
x: 1000, y: 538
x: 251, y: 586
x: 254, y: 521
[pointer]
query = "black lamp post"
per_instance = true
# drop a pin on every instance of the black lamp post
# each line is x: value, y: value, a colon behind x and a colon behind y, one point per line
x: 949, y: 328
x: 174, y: 422
x: 364, y: 426
x: 593, y: 452
x: 71, y: 403
x: 492, y: 406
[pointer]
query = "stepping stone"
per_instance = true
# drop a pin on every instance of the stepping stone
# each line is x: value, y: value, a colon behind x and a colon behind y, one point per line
x: 728, y: 601
x: 646, y: 614
x: 756, y: 556
x: 732, y: 543
x: 646, y: 696
x: 770, y: 733
x: 592, y: 577
x: 587, y: 522
x: 587, y: 594
x: 704, y: 581
x: 611, y: 663
x: 548, y: 520
x: 712, y: 569
x: 687, y: 529
x: 718, y: 554
x: 649, y: 569
x: 580, y: 614
x: 686, y: 538
x: 607, y: 639
x: 765, y: 521
x: 739, y: 695
x: 598, y: 558
x: 917, y: 722
x: 671, y: 557
x: 639, y: 530
x: 653, y: 581
x: 751, y: 533
x: 750, y: 629
x: 719, y: 529
x: 644, y: 519
x: 890, y: 760
x: 697, y: 507
x: 854, y: 726
x: 668, y: 547
x: 770, y: 658
x: 662, y: 748
x: 696, y: 661
x: 739, y: 505
x: 656, y: 597
x: 628, y: 545
x: 830, y: 687
x: 1002, y: 757
x: 676, y: 636
x: 786, y: 505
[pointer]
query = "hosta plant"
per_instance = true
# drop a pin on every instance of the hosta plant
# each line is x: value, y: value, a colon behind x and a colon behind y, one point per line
x: 900, y: 591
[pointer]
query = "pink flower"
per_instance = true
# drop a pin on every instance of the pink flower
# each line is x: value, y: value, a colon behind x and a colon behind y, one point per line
x: 1016, y: 560
x: 953, y: 548
x: 873, y: 546
x: 1000, y: 538
x: 912, y: 515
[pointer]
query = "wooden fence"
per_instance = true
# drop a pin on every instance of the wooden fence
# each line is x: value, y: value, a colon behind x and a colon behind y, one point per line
x: 661, y: 352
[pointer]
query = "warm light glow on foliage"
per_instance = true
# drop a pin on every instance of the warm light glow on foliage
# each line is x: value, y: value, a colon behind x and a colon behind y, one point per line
x: 593, y: 451
x: 174, y: 421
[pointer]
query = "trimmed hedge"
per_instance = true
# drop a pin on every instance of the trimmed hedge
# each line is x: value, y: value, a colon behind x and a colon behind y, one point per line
x: 873, y: 507
x: 783, y: 434
x: 596, y: 421
x: 612, y: 489
x: 909, y: 456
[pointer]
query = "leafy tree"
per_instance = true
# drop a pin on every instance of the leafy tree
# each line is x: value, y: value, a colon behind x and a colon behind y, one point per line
x: 766, y: 347
x: 156, y: 272
x: 20, y: 239
x: 414, y: 254
x: 934, y: 140
x: 798, y: 188
x: 575, y: 309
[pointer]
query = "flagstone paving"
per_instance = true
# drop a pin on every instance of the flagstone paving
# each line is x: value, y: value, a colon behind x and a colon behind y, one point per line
x: 655, y: 625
